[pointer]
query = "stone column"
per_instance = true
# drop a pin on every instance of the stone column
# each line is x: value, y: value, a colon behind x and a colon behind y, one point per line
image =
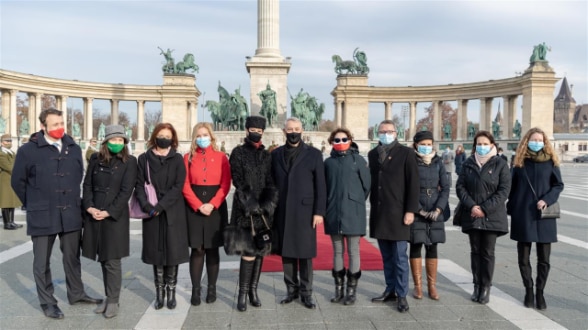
x: 6, y: 110
x: 268, y: 28
x: 88, y: 117
x: 412, y: 120
x: 486, y: 114
x: 192, y: 116
x: 13, y: 127
x: 462, y: 120
x: 437, y: 129
x: 508, y: 115
x: 338, y: 113
x: 114, y: 112
x: 140, y: 120
x: 388, y: 110
x: 61, y: 101
x: 34, y: 111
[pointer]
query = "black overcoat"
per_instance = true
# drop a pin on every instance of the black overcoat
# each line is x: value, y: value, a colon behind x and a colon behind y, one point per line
x: 303, y: 193
x: 165, y: 236
x: 108, y: 187
x: 348, y: 186
x: 394, y: 191
x: 526, y: 224
x: 487, y: 187
x: 48, y: 184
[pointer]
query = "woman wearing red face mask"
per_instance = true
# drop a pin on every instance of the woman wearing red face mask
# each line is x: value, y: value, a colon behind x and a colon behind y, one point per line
x: 348, y: 185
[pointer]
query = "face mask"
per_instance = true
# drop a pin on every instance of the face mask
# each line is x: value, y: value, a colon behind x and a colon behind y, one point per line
x: 56, y: 133
x: 8, y: 145
x: 536, y: 146
x: 483, y: 150
x: 163, y: 143
x: 386, y: 139
x: 425, y: 150
x: 293, y: 138
x: 254, y: 137
x: 115, y: 148
x: 341, y: 146
x: 203, y: 142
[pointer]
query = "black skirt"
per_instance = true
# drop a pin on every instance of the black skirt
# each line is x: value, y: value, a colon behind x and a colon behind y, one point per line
x: 204, y: 230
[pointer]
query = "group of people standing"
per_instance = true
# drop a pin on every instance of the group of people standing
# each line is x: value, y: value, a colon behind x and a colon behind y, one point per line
x: 280, y: 199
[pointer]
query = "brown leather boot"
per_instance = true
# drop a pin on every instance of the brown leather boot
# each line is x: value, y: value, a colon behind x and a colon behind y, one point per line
x: 416, y: 266
x: 431, y: 266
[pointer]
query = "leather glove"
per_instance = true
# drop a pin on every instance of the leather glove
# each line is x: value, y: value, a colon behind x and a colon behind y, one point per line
x: 433, y: 215
x: 423, y: 214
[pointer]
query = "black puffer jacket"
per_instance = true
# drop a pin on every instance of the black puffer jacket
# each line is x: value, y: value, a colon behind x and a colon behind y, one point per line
x: 487, y: 187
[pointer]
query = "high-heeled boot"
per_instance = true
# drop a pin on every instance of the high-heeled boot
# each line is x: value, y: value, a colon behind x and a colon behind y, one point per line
x: 255, y: 274
x: 431, y: 267
x: 351, y: 287
x: 416, y: 267
x: 339, y: 277
x: 159, y: 286
x: 171, y: 280
x: 245, y: 270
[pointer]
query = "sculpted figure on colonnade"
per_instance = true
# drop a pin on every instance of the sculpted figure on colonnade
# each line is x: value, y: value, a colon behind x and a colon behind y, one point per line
x: 471, y: 130
x: 268, y: 104
x: 517, y: 129
x: 187, y: 64
x: 2, y: 124
x: 101, y: 131
x: 539, y: 53
x: 358, y: 66
x: 24, y: 127
x: 169, y: 66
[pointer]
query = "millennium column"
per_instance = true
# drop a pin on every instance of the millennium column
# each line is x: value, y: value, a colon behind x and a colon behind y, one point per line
x: 268, y: 65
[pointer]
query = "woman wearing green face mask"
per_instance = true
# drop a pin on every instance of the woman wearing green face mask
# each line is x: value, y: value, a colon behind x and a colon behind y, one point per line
x: 108, y: 185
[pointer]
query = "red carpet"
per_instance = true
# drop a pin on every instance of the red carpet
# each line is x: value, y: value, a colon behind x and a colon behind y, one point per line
x: 370, y: 256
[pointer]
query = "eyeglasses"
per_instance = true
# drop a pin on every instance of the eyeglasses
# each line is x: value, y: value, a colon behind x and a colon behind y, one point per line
x: 386, y: 132
x: 338, y: 140
x: 6, y: 140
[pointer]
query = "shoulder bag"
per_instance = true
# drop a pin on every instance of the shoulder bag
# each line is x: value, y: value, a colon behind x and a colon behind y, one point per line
x: 263, y: 237
x: 135, y: 210
x: 550, y: 212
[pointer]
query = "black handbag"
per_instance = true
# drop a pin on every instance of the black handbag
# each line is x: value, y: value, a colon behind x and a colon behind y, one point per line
x: 457, y: 214
x: 551, y: 211
x: 263, y: 237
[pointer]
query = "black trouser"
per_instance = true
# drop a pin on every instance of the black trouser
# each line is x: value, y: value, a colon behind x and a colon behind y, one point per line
x: 482, y: 244
x: 430, y: 250
x: 69, y: 243
x: 112, y: 276
x: 291, y: 267
x: 543, y: 266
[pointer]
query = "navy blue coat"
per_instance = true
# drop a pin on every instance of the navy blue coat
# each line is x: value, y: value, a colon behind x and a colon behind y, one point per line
x: 48, y: 184
x: 303, y: 193
x: 526, y: 224
x: 348, y: 186
x: 487, y: 187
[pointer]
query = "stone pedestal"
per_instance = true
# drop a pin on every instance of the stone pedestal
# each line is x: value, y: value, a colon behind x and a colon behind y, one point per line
x: 538, y: 87
x: 354, y: 106
x: 264, y: 70
x: 179, y: 101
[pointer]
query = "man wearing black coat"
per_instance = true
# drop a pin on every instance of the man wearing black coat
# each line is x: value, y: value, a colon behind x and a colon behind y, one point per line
x: 394, y: 200
x: 298, y: 173
x: 47, y: 174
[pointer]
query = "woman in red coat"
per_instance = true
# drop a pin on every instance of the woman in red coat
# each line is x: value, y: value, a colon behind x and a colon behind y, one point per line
x: 207, y: 185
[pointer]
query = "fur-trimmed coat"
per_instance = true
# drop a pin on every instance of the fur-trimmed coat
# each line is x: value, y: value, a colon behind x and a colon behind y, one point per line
x: 255, y: 195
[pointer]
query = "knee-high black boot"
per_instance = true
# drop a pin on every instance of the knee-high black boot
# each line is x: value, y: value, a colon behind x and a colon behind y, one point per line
x: 245, y: 270
x: 159, y: 286
x: 524, y: 249
x: 11, y: 215
x: 6, y: 219
x: 171, y: 280
x: 255, y: 274
x: 339, y: 277
x: 351, y: 287
x: 543, y: 266
x: 475, y: 264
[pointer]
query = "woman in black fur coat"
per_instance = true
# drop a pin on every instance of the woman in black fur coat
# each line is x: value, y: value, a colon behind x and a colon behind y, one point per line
x: 253, y: 207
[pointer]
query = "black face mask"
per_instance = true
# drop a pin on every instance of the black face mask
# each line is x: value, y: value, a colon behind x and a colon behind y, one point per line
x: 163, y: 143
x: 293, y: 138
x: 254, y: 137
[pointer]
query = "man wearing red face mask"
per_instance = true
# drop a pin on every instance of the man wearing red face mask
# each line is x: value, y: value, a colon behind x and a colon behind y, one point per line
x: 348, y: 186
x: 47, y: 175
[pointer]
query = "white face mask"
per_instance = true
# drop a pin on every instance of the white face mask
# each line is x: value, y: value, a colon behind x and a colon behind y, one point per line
x: 386, y: 139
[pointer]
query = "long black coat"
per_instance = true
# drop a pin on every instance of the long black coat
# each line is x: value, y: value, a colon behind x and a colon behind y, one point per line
x: 255, y: 195
x: 526, y: 224
x: 487, y: 187
x: 394, y: 191
x: 303, y: 193
x: 165, y: 236
x: 48, y: 184
x: 434, y: 194
x: 108, y: 187
x: 348, y: 186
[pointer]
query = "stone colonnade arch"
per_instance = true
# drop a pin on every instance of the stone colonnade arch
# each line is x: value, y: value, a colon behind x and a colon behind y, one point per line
x: 178, y: 96
x: 536, y: 85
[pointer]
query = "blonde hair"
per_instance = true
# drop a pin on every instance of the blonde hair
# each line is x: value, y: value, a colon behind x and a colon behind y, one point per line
x: 208, y: 127
x: 523, y: 149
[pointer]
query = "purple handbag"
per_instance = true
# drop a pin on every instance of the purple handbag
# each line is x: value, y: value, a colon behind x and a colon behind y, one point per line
x: 135, y: 210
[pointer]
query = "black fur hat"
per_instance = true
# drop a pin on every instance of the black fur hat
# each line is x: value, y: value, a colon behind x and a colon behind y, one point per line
x: 255, y: 122
x: 423, y: 135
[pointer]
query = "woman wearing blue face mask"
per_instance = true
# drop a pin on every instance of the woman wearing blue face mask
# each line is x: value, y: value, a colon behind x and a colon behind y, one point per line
x: 482, y: 188
x: 535, y: 173
x: 428, y: 228
x: 207, y: 185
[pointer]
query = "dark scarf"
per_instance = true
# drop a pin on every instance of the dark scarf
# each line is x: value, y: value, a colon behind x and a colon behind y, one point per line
x: 384, y: 150
x: 291, y: 152
x: 539, y: 156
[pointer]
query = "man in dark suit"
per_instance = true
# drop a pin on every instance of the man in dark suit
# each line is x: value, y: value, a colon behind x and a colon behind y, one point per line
x: 298, y: 172
x: 47, y: 176
x: 394, y: 199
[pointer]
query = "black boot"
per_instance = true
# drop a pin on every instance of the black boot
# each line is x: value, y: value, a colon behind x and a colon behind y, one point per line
x: 195, y: 300
x: 543, y: 266
x: 351, y: 287
x: 529, y: 298
x: 540, y: 303
x: 475, y: 265
x: 171, y: 280
x: 484, y: 295
x: 339, y: 277
x: 245, y: 270
x: 11, y: 215
x: 6, y: 220
x: 523, y: 251
x: 211, y: 294
x: 253, y: 297
x: 159, y: 286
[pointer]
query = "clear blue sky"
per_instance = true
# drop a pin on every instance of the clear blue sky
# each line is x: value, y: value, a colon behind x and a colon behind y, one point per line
x: 406, y: 42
